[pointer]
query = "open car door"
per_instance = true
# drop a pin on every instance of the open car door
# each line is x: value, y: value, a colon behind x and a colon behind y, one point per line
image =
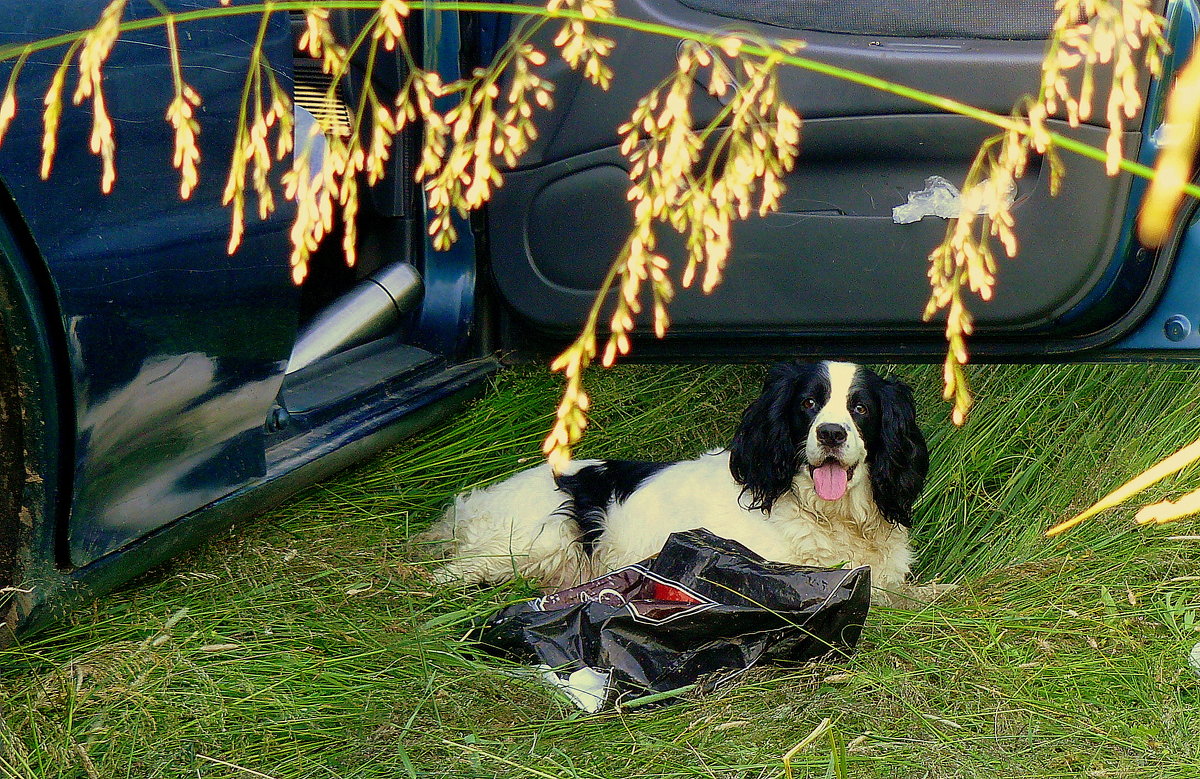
x: 832, y: 272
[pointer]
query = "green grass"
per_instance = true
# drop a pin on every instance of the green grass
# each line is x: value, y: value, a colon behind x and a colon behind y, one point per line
x: 308, y: 643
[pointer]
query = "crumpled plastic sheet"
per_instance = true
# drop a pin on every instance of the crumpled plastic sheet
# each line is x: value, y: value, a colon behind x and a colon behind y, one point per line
x: 939, y: 198
x: 702, y: 611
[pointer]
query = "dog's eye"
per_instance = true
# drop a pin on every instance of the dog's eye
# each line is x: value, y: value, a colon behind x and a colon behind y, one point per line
x: 859, y: 409
x: 809, y: 403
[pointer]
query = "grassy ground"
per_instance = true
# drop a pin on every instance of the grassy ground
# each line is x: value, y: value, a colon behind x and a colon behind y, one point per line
x: 308, y: 643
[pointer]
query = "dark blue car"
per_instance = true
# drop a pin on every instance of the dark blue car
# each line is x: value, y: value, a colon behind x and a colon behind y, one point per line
x: 154, y: 387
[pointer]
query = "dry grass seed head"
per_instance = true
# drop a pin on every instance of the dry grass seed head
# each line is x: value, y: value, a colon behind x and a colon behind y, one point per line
x: 1173, y: 168
x: 1087, y: 33
x: 98, y: 43
x: 697, y: 187
x: 390, y: 27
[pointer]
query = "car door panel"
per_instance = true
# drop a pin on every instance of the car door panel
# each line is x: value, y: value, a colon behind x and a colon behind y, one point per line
x: 831, y: 258
x: 831, y: 262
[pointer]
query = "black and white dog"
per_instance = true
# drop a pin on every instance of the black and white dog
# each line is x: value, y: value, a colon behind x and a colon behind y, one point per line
x: 823, y: 470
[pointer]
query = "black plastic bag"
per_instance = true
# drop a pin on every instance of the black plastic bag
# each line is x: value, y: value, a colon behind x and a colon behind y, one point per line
x: 702, y: 606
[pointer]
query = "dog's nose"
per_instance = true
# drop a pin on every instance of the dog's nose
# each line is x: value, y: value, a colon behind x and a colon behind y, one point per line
x: 829, y: 434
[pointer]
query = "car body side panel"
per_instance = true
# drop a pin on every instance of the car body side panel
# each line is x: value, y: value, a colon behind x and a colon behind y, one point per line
x: 176, y: 348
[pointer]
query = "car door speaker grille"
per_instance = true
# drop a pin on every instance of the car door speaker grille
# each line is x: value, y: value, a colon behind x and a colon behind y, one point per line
x: 311, y: 91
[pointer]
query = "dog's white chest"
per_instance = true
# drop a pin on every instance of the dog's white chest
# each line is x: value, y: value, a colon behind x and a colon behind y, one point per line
x: 831, y: 540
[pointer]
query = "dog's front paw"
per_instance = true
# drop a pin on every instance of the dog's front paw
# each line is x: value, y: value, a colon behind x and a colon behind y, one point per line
x: 453, y: 575
x: 911, y: 595
x: 928, y: 593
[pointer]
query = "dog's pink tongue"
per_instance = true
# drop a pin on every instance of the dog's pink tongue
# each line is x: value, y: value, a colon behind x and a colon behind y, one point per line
x: 830, y: 481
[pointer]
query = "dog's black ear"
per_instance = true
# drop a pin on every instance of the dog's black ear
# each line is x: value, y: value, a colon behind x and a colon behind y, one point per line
x: 766, y: 449
x: 900, y: 462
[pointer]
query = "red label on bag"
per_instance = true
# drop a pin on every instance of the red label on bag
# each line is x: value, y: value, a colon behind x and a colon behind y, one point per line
x: 667, y: 592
